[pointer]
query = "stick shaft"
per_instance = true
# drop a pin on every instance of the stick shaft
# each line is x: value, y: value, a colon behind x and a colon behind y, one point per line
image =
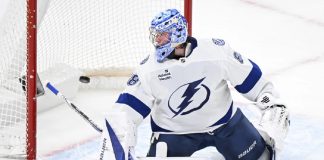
x: 73, y: 106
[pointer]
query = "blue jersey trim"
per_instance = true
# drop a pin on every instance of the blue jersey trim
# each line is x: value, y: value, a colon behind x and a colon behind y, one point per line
x: 250, y: 80
x: 134, y: 103
x: 225, y: 118
x: 156, y: 128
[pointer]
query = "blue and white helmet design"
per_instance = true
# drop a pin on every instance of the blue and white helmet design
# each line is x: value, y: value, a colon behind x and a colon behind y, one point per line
x: 172, y: 22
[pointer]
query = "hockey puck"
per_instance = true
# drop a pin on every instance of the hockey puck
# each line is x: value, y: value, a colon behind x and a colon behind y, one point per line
x: 84, y: 79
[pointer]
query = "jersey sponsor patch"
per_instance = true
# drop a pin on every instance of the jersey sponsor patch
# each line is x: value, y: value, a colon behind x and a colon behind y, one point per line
x: 165, y: 75
x: 238, y: 57
x: 145, y: 60
x: 218, y: 42
x: 133, y: 80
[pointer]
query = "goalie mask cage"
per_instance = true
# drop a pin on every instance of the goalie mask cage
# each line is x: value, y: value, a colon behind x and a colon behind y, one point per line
x: 99, y: 38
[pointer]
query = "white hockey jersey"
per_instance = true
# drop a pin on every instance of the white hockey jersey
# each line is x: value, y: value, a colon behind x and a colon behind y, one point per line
x: 191, y: 94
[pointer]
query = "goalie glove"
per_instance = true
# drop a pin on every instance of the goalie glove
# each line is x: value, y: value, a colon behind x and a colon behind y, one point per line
x: 274, y: 119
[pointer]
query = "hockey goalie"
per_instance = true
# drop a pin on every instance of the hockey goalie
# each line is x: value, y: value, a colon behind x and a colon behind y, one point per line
x: 183, y: 88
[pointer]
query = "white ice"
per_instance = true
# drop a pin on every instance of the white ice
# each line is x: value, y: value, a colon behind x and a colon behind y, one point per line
x: 284, y: 37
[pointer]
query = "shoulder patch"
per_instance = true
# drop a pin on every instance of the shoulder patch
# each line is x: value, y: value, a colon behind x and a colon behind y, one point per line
x: 133, y: 80
x: 218, y: 42
x: 145, y: 60
x: 238, y: 57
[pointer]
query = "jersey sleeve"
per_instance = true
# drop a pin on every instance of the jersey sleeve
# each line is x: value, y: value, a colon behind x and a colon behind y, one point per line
x: 135, y: 100
x: 245, y: 75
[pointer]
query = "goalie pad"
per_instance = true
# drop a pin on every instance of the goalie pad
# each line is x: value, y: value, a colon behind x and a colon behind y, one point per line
x: 274, y: 123
x: 118, y: 138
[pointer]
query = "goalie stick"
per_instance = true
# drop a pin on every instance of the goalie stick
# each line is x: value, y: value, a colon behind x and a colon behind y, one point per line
x: 74, y: 107
x: 118, y: 150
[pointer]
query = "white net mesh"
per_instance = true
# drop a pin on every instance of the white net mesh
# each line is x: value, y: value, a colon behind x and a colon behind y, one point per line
x: 100, y: 38
x: 12, y: 67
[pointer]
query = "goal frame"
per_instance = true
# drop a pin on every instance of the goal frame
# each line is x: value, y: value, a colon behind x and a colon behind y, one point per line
x: 31, y: 110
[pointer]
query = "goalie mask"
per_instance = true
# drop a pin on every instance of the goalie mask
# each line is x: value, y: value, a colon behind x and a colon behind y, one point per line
x: 168, y: 30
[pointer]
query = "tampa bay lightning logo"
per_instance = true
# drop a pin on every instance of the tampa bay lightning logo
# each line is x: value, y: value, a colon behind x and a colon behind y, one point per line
x: 189, y: 91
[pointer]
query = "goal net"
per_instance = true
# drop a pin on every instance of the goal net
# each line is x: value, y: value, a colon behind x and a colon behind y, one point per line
x: 95, y: 38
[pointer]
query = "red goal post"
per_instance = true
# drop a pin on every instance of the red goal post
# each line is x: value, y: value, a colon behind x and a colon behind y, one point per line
x: 97, y: 38
x: 31, y: 110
